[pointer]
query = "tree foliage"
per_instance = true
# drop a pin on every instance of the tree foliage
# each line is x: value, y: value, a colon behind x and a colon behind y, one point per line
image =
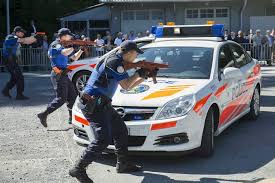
x: 45, y: 13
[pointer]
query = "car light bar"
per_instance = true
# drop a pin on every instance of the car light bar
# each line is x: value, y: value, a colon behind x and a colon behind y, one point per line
x: 216, y: 30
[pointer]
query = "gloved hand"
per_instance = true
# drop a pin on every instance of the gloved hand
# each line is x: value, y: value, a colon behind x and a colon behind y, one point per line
x: 153, y: 73
x: 143, y: 73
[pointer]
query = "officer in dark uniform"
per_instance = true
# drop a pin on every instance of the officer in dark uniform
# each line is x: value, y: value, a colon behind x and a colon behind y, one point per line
x: 105, y: 122
x: 65, y: 91
x: 10, y: 46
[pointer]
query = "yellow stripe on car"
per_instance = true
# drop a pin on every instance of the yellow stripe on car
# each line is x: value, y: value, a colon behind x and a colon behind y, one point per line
x: 167, y: 91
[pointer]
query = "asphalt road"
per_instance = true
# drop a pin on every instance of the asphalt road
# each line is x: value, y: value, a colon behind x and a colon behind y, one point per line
x: 245, y: 152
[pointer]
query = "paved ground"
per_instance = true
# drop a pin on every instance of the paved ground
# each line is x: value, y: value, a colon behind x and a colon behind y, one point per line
x: 29, y: 153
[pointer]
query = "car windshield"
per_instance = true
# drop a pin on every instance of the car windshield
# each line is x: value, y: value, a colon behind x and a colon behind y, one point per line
x: 184, y: 62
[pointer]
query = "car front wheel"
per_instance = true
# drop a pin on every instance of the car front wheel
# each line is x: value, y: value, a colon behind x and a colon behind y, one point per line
x: 207, y: 143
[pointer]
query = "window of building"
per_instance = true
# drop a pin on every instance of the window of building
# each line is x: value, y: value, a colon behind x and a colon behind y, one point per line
x: 192, y: 13
x: 99, y: 23
x: 142, y: 15
x: 128, y: 15
x: 222, y: 12
x: 157, y: 15
x: 207, y: 13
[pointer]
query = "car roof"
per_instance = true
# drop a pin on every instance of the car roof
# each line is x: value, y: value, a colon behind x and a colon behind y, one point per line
x: 184, y: 42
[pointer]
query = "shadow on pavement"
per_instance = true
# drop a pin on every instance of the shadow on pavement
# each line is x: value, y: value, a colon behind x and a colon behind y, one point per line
x: 149, y: 178
x: 244, y: 147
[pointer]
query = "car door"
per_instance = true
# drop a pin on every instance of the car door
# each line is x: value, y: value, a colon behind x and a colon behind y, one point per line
x: 242, y: 92
x: 226, y: 86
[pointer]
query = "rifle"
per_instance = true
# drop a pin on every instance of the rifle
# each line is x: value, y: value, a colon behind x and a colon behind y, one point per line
x: 78, y: 42
x: 149, y: 66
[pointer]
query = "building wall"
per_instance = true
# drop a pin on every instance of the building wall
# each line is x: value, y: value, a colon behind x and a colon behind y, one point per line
x: 255, y: 8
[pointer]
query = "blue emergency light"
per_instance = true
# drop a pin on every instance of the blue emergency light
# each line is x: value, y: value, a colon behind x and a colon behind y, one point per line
x: 216, y: 30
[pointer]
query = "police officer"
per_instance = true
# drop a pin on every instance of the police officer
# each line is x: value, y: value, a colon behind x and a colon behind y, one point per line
x: 105, y: 122
x: 65, y: 91
x: 11, y: 45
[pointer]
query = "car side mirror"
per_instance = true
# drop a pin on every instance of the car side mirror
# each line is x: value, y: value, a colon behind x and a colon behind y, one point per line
x: 231, y: 73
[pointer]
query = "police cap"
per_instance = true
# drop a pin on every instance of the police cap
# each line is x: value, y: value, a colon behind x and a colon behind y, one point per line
x: 64, y: 31
x: 127, y: 46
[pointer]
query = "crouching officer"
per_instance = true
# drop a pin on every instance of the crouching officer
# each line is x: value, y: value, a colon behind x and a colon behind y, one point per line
x: 106, y: 123
x: 65, y: 91
x: 11, y: 45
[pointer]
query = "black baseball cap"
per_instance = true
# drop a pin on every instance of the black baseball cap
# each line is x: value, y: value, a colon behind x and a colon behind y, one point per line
x: 129, y: 46
x: 64, y: 31
x: 19, y: 29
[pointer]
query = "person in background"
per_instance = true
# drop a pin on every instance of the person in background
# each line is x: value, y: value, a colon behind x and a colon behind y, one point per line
x: 107, y: 33
x: 118, y: 39
x: 257, y: 44
x: 273, y: 45
x: 99, y: 45
x: 147, y: 33
x: 240, y: 38
x: 109, y: 43
x: 132, y: 36
x: 268, y: 41
x: 139, y: 35
x: 45, y: 45
x: 233, y: 35
x: 227, y: 36
x: 125, y: 37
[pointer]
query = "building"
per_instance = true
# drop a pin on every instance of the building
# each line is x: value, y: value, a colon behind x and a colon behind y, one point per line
x: 140, y: 15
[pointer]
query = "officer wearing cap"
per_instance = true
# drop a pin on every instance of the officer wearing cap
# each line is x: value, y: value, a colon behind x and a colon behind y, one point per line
x: 65, y: 91
x: 11, y: 44
x: 105, y: 122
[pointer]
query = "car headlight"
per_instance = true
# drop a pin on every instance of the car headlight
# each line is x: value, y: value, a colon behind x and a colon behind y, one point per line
x: 177, y: 107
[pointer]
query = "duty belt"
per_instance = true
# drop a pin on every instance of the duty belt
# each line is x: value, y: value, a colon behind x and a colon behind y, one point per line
x: 100, y: 99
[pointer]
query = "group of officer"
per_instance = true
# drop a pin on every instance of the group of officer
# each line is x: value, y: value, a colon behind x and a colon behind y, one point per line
x: 94, y: 101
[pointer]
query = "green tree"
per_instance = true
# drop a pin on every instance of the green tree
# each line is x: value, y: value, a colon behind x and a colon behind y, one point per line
x: 44, y: 12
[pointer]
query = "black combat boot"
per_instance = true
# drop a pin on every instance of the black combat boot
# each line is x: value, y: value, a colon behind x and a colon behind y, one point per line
x: 123, y: 166
x: 43, y: 118
x: 79, y: 171
x: 6, y: 92
x: 21, y: 97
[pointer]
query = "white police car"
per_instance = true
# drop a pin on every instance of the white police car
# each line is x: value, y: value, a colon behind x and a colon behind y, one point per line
x: 82, y: 69
x: 210, y: 83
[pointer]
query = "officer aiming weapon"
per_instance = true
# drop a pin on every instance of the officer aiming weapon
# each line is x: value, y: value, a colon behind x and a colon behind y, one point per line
x: 152, y: 68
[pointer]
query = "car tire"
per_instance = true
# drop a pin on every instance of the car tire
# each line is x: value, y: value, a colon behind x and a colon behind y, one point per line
x: 254, y: 112
x: 207, y: 143
x: 83, y: 77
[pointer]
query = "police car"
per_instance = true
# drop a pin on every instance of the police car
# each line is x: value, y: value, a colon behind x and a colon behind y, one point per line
x: 82, y: 69
x: 210, y: 84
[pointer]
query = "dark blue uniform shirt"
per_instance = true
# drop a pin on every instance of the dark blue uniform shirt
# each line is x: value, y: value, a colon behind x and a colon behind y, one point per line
x: 56, y: 57
x: 105, y: 77
x: 10, y: 45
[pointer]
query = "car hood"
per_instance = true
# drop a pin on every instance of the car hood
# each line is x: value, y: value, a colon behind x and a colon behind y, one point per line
x: 149, y: 94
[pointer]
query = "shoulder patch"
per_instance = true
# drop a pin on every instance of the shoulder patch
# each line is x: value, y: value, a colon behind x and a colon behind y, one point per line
x: 120, y: 69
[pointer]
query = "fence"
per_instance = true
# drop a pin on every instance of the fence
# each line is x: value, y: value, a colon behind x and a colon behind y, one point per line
x: 261, y: 52
x: 37, y: 59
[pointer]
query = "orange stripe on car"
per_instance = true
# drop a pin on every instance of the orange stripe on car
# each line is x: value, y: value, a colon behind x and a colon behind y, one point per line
x: 221, y: 90
x: 201, y: 103
x: 72, y: 67
x: 159, y: 126
x: 81, y: 120
x: 93, y: 65
x: 167, y: 91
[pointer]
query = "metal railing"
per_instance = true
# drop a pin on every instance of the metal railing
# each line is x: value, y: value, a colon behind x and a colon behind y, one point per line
x: 37, y: 59
x: 264, y: 52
